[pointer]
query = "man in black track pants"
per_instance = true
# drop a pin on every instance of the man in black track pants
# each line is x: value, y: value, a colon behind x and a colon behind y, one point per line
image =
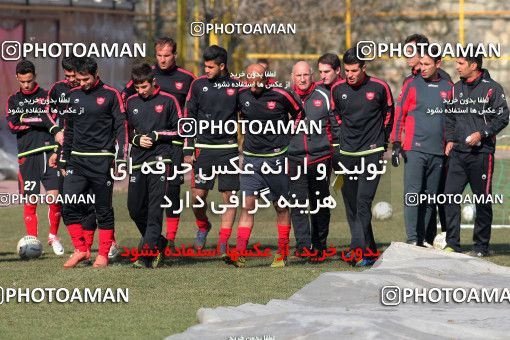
x: 95, y: 122
x: 364, y: 104
x: 152, y: 120
x: 312, y: 151
x: 176, y: 81
x: 58, y: 101
x: 478, y: 112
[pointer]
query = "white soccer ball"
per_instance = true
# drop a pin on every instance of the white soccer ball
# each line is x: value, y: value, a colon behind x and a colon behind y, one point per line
x: 440, y: 241
x: 382, y: 211
x: 468, y: 213
x: 29, y: 247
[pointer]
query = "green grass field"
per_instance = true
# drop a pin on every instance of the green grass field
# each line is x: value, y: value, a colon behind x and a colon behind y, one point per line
x: 165, y: 301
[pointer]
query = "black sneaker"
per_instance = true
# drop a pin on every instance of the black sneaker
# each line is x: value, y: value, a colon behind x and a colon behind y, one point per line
x: 302, y: 253
x: 475, y: 253
x: 142, y: 262
x: 158, y: 260
x: 84, y: 263
x: 240, y: 262
x: 319, y: 258
x: 138, y: 264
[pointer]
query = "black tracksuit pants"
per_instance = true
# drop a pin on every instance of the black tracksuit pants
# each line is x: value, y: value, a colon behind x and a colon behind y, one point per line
x: 305, y: 188
x: 422, y: 175
x: 145, y: 195
x: 475, y: 169
x: 358, y: 194
x: 85, y: 175
x: 89, y: 222
x: 438, y: 209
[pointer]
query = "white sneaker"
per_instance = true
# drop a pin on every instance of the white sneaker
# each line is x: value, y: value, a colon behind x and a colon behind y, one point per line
x: 114, y: 252
x: 58, y: 248
x: 427, y: 245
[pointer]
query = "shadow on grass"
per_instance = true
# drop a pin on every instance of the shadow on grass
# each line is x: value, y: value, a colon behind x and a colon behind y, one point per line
x: 254, y: 261
x: 497, y: 248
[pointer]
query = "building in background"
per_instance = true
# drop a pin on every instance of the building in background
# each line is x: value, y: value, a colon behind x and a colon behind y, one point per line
x: 60, y: 21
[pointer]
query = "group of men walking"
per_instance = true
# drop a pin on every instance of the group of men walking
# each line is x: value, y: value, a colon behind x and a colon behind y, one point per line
x: 74, y: 138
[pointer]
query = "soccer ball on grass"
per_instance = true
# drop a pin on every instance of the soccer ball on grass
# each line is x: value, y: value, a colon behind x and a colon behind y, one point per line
x: 29, y: 247
x: 382, y: 211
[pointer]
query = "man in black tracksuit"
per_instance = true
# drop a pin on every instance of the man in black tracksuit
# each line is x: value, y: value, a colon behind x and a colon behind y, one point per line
x: 314, y: 149
x: 176, y: 81
x: 420, y: 114
x: 152, y: 119
x: 267, y: 106
x: 330, y: 72
x: 364, y: 104
x: 58, y: 101
x: 95, y: 122
x: 478, y: 112
x: 34, y: 128
x: 212, y: 98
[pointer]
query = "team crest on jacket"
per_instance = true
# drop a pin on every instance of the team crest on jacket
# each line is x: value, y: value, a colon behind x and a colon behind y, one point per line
x: 370, y: 95
x: 444, y: 95
x: 317, y: 103
x: 231, y: 92
x: 158, y: 108
x: 100, y: 100
x: 179, y: 85
x: 271, y: 105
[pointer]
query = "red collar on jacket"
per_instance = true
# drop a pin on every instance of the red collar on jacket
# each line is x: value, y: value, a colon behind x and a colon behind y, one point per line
x: 34, y: 90
x: 302, y: 93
